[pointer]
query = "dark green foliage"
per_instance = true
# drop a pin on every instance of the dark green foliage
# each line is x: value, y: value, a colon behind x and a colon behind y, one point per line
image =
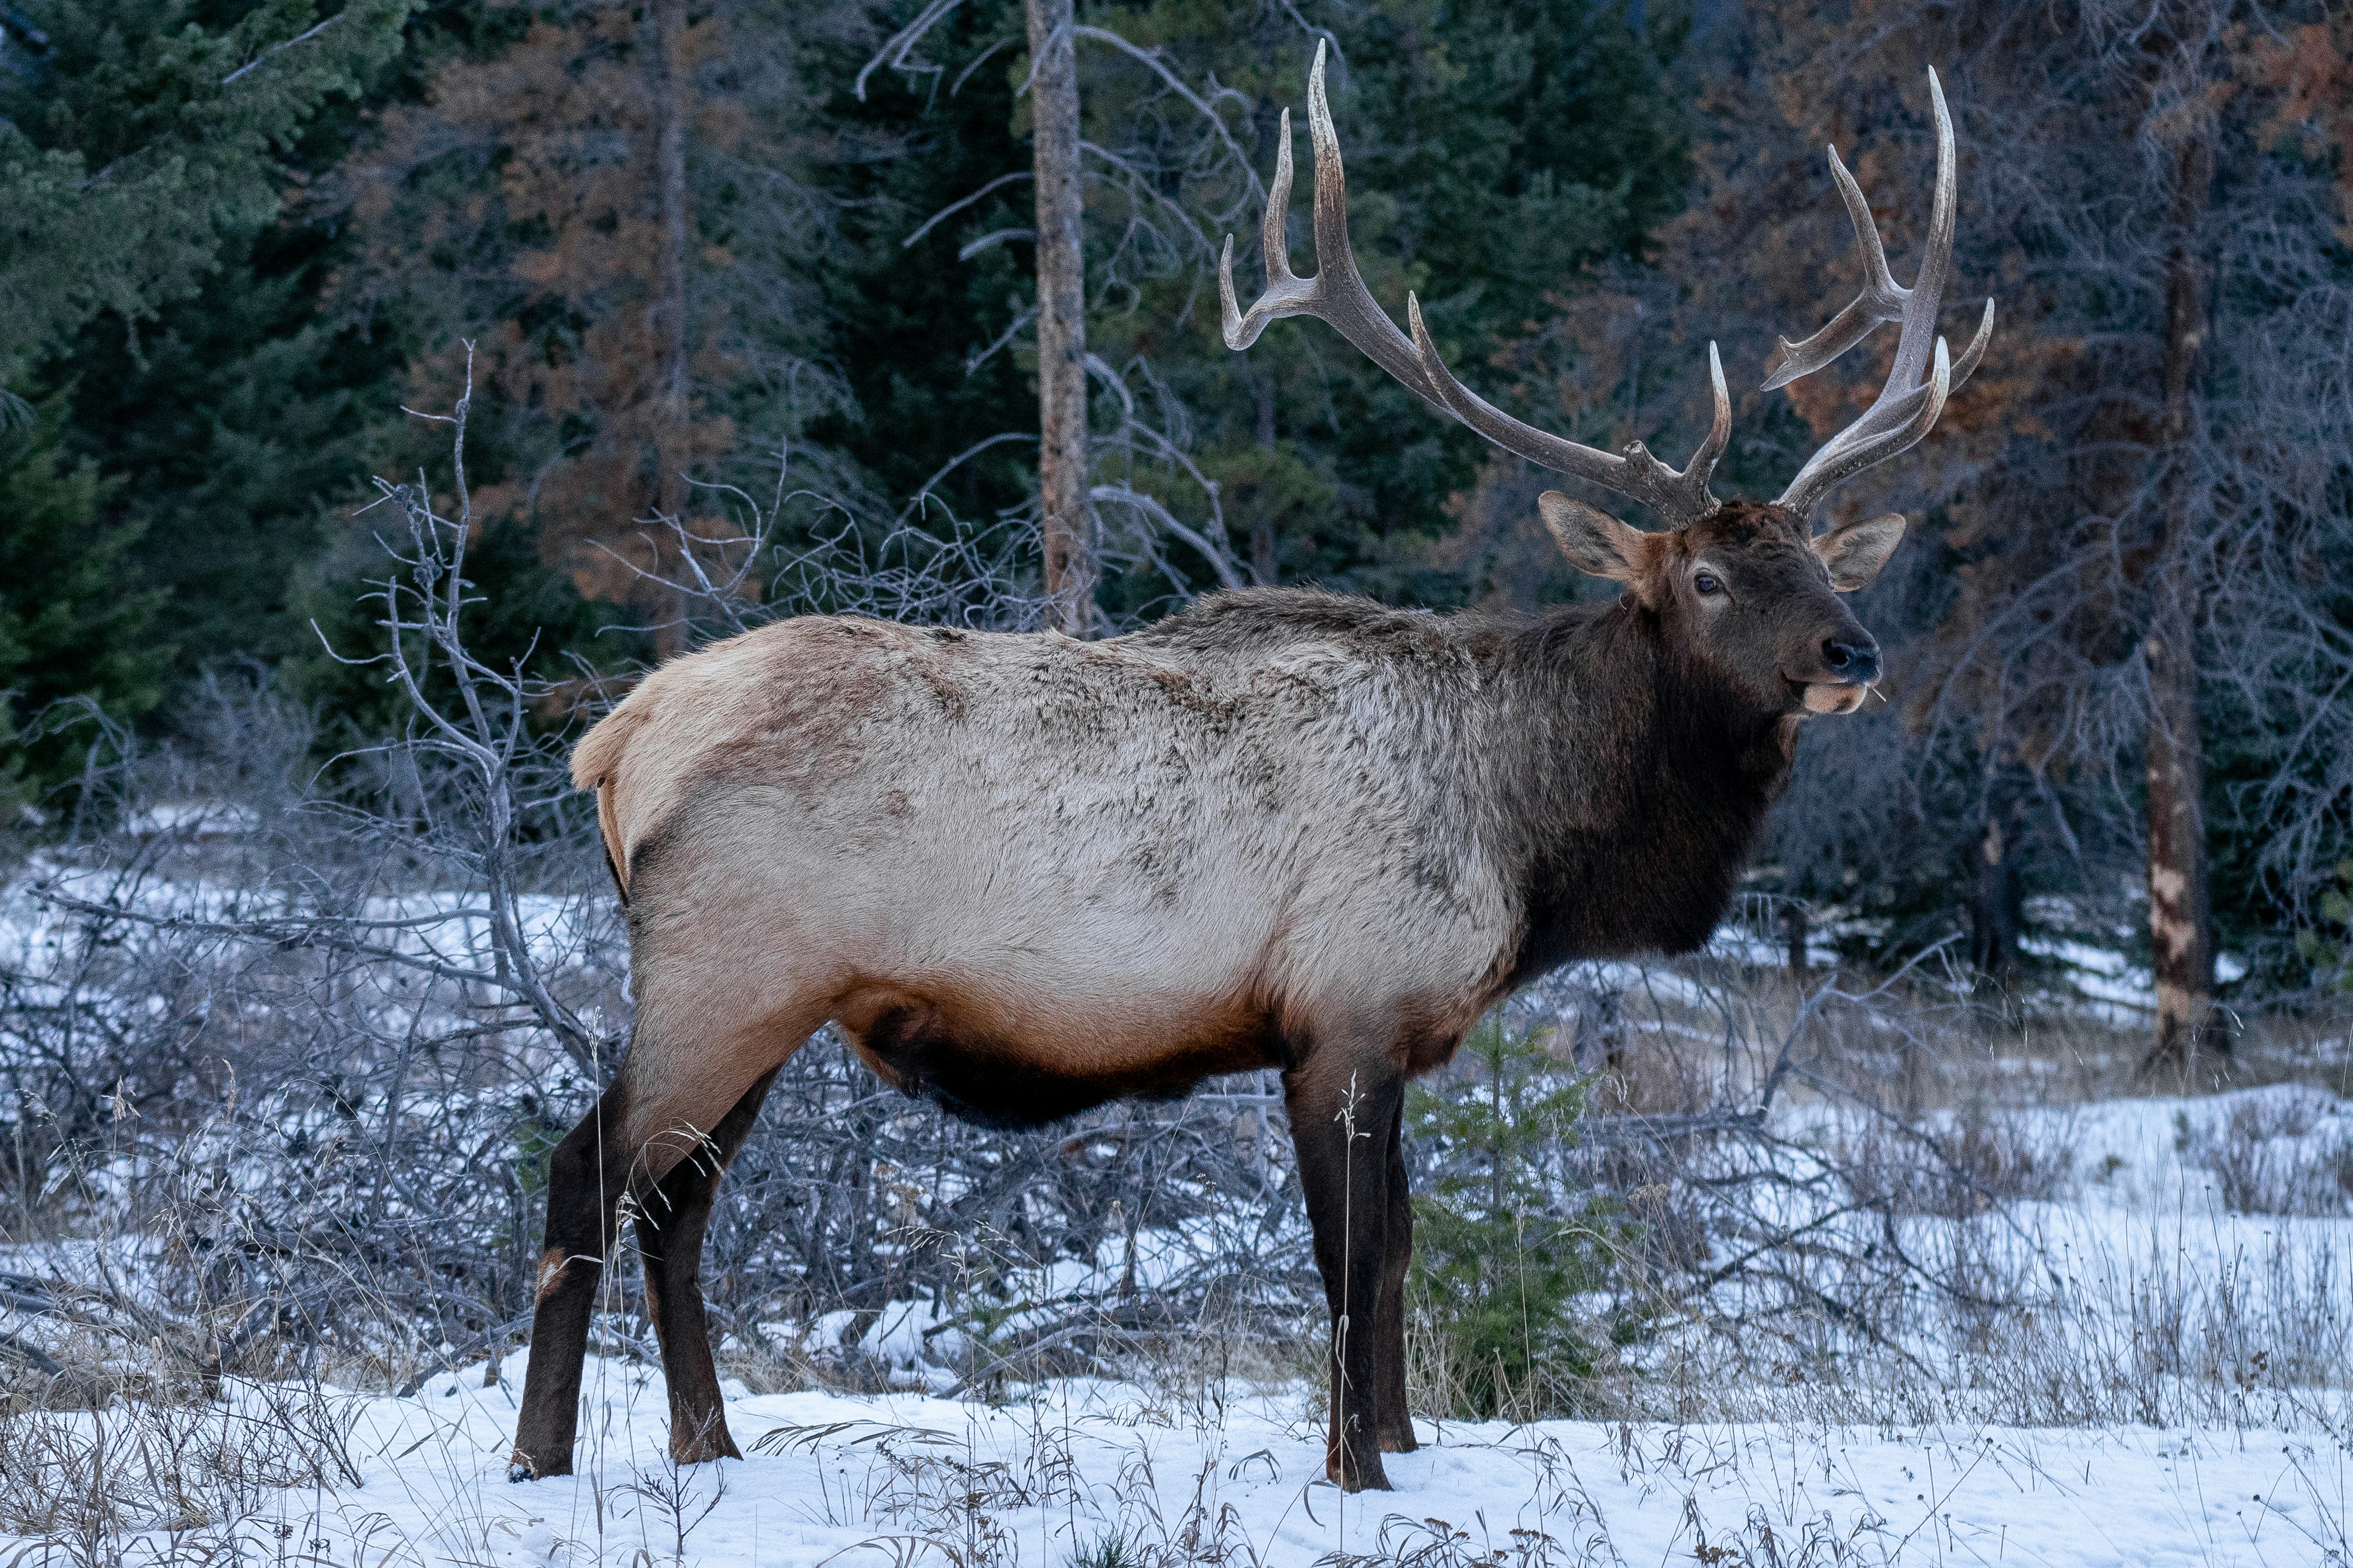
x: 1506, y: 1241
x: 1505, y: 149
x: 146, y: 155
x: 1497, y: 152
x: 907, y: 319
x: 138, y: 136
x: 74, y: 631
x: 232, y: 425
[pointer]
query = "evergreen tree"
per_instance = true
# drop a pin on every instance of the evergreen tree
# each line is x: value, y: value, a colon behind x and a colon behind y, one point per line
x: 521, y: 203
x: 234, y: 422
x: 69, y: 628
x: 1504, y: 1242
x: 147, y: 150
x: 138, y: 136
x: 1498, y: 153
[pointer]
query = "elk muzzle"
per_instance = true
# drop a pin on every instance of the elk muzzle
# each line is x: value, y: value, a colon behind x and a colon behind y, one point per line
x: 1843, y: 665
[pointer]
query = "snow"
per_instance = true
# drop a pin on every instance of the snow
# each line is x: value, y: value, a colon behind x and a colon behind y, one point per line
x: 1234, y: 1475
x: 195, y: 819
x: 855, y: 1480
x: 2140, y: 1231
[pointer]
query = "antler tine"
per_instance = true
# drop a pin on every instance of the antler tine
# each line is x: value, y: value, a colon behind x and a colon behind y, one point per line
x: 1882, y: 299
x: 1907, y: 407
x: 1927, y: 402
x: 1286, y: 294
x: 1337, y: 295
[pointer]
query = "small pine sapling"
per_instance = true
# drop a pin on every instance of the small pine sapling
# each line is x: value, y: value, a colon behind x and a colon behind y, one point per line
x: 1506, y: 1238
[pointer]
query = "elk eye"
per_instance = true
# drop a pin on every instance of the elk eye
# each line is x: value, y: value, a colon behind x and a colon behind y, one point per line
x: 1708, y: 583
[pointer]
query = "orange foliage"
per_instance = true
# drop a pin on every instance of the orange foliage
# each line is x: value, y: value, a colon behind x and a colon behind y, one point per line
x: 550, y: 262
x: 2311, y: 68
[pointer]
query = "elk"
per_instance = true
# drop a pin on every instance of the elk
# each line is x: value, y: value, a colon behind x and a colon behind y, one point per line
x: 1025, y: 874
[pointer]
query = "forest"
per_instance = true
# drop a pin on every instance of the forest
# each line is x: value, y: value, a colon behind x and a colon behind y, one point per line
x: 242, y: 237
x: 387, y: 385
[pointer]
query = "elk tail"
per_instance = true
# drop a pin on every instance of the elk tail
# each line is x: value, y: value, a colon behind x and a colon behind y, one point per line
x: 595, y: 761
x: 611, y: 832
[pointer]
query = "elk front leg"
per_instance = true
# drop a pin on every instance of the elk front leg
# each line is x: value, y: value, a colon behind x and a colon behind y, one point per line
x: 1397, y: 1420
x: 1341, y: 1104
x: 671, y: 1227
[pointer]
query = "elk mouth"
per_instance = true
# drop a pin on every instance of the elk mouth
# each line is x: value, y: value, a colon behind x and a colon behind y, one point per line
x: 1827, y: 696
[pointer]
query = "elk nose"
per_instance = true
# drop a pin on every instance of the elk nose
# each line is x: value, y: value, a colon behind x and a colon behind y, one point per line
x: 1855, y: 662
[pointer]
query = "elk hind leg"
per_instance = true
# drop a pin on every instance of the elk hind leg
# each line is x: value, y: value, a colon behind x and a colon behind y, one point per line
x: 641, y: 1129
x: 670, y: 1223
x: 585, y: 1175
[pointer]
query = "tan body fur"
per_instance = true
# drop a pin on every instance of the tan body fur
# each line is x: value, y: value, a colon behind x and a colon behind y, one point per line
x: 1106, y: 863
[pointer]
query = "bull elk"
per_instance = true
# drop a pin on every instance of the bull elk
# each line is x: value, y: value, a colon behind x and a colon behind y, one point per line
x: 1026, y: 875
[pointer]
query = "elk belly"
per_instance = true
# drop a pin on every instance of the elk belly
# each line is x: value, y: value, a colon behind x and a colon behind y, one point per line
x: 981, y: 1059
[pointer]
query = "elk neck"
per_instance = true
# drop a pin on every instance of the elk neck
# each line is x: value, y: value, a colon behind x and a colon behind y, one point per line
x: 1639, y: 777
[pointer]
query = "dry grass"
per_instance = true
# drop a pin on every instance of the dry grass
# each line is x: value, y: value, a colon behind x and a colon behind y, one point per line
x: 175, y: 1473
x: 2277, y: 1155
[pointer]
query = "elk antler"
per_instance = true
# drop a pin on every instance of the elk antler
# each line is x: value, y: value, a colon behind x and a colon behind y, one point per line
x: 1337, y: 295
x: 1906, y: 407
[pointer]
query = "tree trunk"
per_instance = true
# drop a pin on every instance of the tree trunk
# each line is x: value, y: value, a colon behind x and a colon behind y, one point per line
x: 1264, y: 544
x: 670, y: 406
x: 2181, y: 914
x: 1070, y: 528
x: 1997, y: 913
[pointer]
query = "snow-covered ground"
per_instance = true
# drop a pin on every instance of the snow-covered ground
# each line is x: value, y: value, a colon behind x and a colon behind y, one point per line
x: 906, y: 1479
x: 2138, y: 1243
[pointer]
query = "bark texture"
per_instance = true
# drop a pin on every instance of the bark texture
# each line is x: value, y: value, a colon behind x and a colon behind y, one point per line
x: 1996, y: 909
x: 671, y: 86
x: 1070, y: 528
x: 2180, y: 911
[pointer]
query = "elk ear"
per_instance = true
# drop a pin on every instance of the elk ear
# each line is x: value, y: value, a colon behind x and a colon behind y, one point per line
x: 1855, y: 554
x: 1595, y: 541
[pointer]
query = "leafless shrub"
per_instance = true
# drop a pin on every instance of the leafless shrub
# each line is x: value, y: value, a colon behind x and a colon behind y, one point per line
x: 2274, y: 1154
x: 1955, y: 1167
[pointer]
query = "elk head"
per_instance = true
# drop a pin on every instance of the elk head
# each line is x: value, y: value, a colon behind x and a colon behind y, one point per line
x: 1748, y: 588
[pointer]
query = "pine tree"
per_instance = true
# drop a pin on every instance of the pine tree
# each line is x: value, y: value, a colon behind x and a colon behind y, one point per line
x: 609, y: 204
x: 137, y: 136
x: 1498, y: 152
x: 159, y: 296
x: 1504, y: 1245
x: 68, y: 629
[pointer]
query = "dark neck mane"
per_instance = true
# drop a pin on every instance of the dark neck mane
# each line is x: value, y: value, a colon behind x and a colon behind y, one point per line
x: 1632, y: 782
x: 1640, y: 800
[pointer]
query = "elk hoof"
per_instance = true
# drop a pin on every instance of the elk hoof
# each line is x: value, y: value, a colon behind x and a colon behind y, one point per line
x: 700, y: 1442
